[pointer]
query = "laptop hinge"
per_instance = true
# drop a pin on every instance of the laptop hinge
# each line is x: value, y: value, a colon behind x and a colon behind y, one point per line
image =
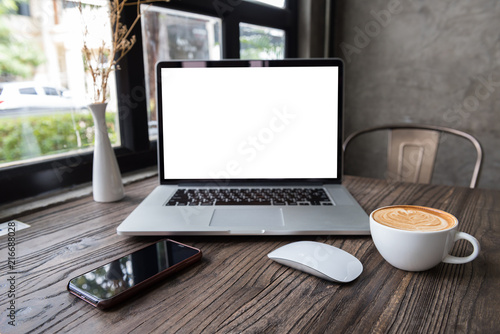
x: 252, y: 184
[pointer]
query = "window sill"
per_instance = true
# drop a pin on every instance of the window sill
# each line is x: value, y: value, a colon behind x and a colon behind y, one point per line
x: 17, y: 208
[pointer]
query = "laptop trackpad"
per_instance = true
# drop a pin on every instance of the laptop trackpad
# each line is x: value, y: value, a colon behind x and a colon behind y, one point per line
x: 251, y: 218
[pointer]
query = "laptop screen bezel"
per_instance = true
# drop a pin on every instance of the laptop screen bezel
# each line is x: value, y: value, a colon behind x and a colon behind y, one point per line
x: 334, y: 62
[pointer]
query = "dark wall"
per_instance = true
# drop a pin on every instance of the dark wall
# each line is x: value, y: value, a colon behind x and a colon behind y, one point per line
x: 428, y: 61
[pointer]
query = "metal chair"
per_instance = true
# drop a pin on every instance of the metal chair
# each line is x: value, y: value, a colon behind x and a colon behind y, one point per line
x: 412, y: 151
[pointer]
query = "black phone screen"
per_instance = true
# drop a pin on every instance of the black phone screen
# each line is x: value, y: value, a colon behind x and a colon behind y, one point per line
x: 115, y: 277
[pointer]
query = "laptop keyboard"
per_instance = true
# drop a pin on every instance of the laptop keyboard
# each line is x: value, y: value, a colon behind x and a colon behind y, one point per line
x: 249, y: 196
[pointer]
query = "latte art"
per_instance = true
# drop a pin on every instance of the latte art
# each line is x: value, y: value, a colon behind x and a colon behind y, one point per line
x: 414, y: 218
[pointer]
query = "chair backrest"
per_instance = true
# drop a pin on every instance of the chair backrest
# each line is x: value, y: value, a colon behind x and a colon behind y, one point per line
x: 412, y: 151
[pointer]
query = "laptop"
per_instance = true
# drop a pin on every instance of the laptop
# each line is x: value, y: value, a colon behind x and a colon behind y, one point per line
x: 249, y: 147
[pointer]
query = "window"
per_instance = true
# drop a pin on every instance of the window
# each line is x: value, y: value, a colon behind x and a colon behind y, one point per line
x: 172, y: 34
x: 195, y: 29
x: 27, y: 91
x: 257, y: 42
x: 23, y: 8
x: 50, y: 91
x: 43, y: 104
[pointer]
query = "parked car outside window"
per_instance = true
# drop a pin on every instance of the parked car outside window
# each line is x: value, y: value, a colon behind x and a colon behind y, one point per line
x: 32, y: 96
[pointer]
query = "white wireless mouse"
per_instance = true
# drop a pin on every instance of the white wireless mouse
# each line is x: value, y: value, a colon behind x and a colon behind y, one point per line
x: 319, y: 259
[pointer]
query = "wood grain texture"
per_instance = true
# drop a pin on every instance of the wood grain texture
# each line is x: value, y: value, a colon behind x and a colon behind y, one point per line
x: 236, y: 288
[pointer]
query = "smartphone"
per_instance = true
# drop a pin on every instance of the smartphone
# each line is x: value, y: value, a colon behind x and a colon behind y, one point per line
x: 122, y: 278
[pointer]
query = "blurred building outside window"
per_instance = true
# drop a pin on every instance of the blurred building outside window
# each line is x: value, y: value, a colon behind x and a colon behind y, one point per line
x: 170, y: 34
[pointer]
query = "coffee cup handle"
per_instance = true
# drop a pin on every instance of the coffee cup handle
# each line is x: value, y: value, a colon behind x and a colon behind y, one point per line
x: 464, y: 259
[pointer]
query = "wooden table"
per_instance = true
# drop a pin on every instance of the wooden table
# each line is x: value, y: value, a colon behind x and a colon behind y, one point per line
x: 236, y: 288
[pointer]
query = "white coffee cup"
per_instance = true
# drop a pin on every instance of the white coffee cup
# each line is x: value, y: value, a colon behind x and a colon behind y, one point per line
x: 417, y: 238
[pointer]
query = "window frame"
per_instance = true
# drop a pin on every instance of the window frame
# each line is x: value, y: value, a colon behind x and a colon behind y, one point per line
x: 137, y: 151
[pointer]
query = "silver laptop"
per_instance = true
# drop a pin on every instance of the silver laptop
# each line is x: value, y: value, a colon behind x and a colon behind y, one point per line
x: 249, y: 148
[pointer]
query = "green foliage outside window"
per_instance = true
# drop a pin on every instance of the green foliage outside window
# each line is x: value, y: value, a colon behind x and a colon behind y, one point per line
x: 30, y: 136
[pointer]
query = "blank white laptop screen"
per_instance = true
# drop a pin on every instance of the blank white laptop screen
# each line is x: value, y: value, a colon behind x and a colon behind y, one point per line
x: 250, y: 122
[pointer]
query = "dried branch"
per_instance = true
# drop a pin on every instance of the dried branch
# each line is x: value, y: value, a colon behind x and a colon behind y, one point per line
x: 121, y: 44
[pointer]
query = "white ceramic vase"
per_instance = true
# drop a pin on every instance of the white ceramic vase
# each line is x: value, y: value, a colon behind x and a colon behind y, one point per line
x: 107, y: 183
